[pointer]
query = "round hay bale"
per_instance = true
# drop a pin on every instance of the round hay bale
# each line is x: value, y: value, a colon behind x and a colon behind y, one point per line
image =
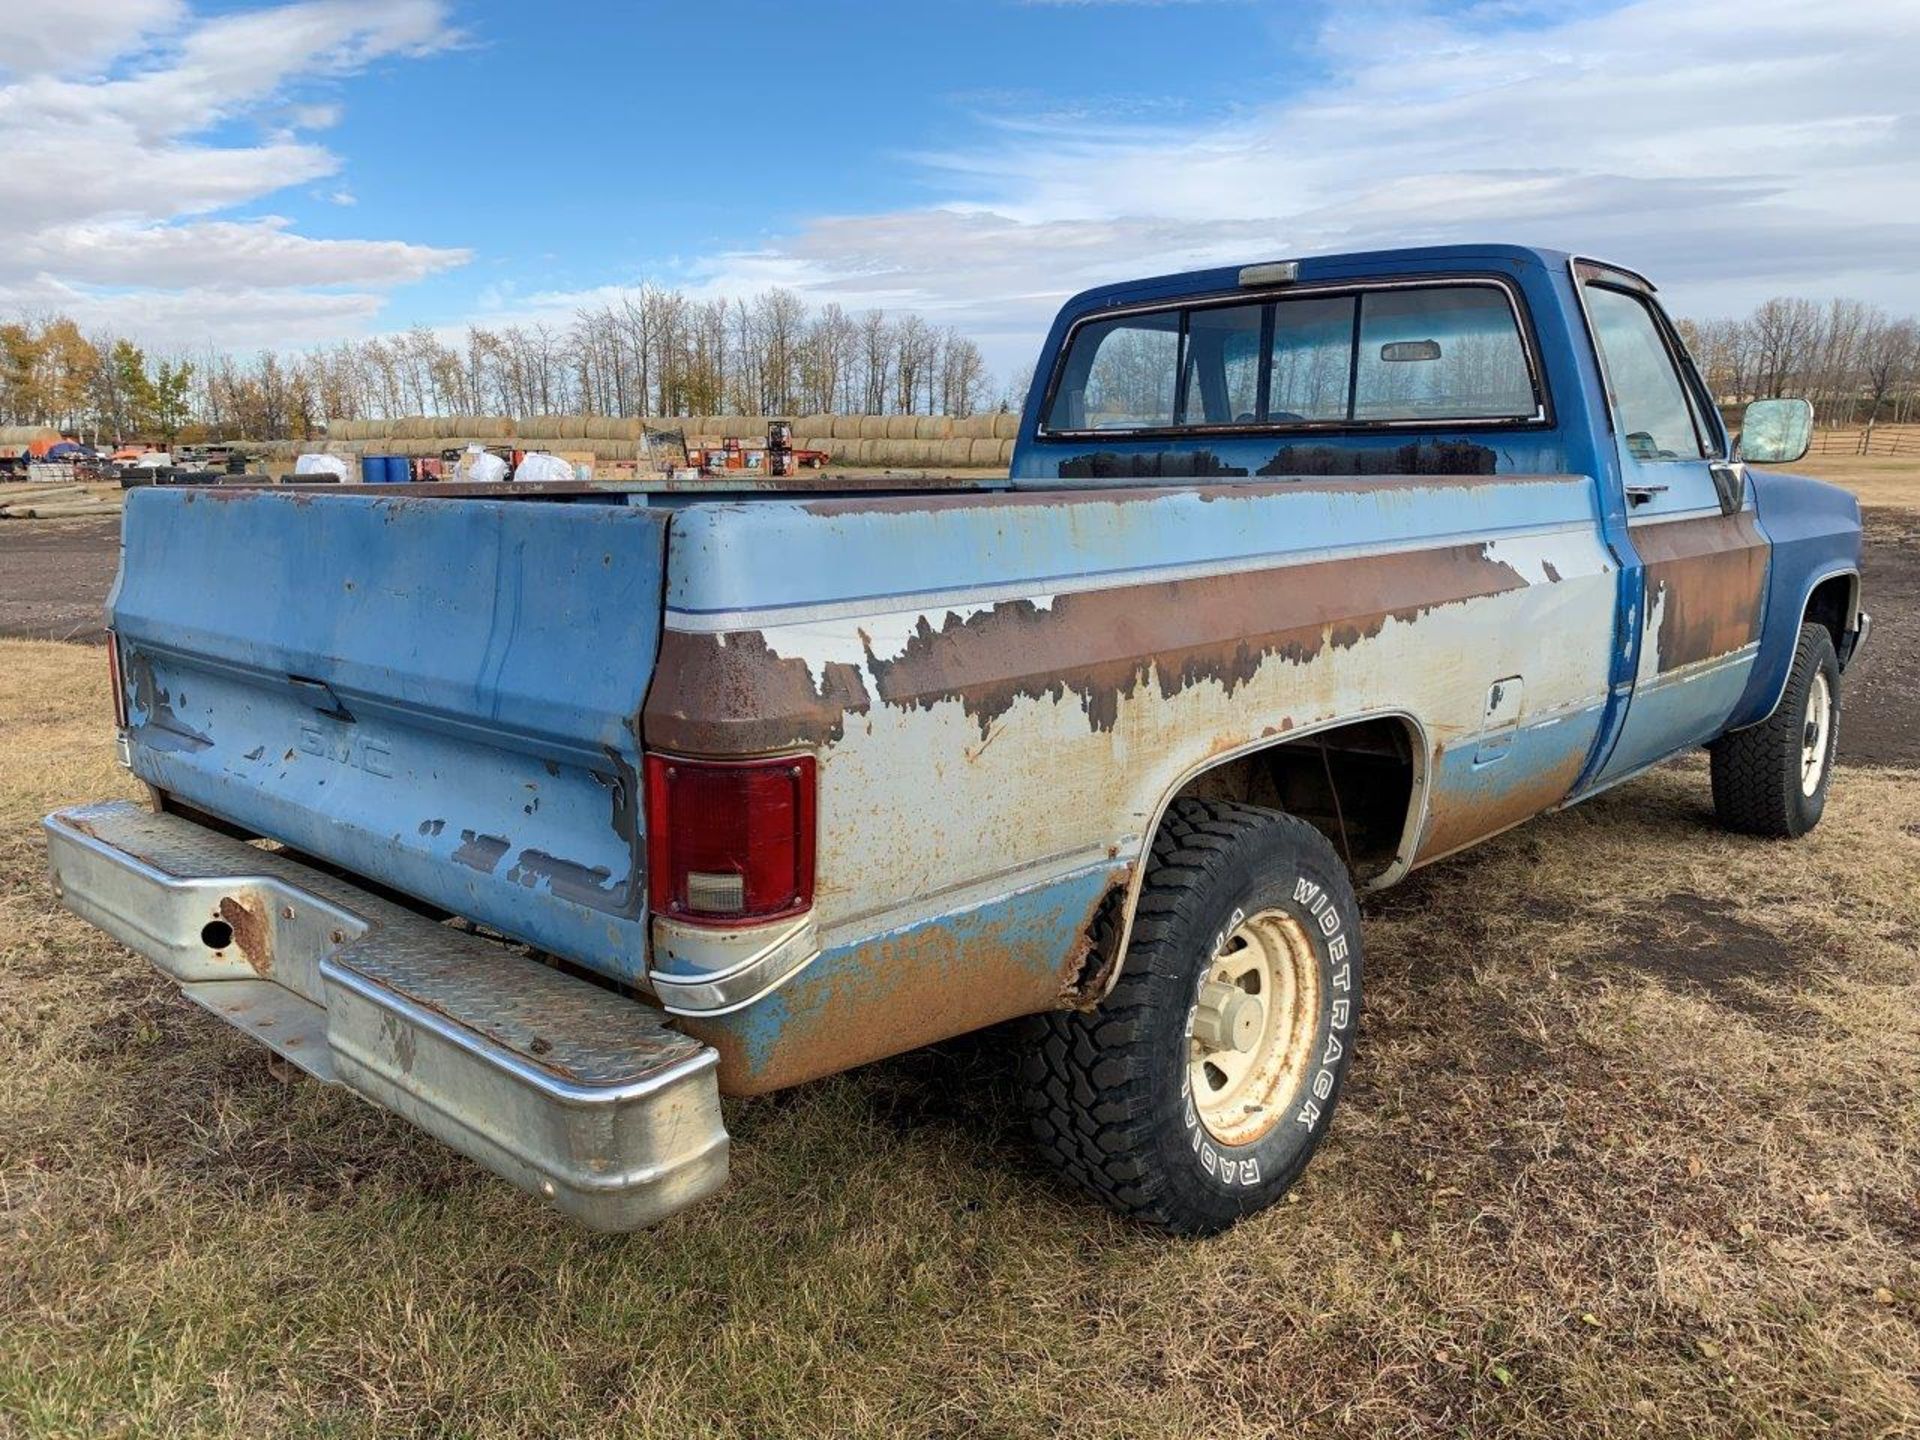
x: 1006, y: 425
x: 974, y: 427
x: 869, y: 427
x: 933, y: 427
x: 1006, y: 455
x: 571, y: 427
x: 955, y: 451
x: 599, y: 427
x: 852, y: 452
x: 627, y: 427
x: 814, y: 424
x: 902, y: 427
x: 983, y: 452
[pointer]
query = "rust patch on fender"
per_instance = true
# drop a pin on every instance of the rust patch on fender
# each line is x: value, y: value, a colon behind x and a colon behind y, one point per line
x: 1458, y: 820
x: 1708, y: 578
x: 1102, y: 645
x: 899, y: 992
x: 252, y: 934
x: 1089, y: 968
x: 732, y: 694
x: 727, y: 694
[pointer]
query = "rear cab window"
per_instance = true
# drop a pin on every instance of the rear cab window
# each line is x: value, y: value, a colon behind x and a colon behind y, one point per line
x: 1385, y: 355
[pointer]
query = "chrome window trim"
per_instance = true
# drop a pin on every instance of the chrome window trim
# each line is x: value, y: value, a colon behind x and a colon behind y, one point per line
x: 1536, y: 373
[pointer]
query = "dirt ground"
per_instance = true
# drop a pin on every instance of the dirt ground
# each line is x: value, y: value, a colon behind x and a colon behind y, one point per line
x: 1631, y: 1148
x: 54, y: 577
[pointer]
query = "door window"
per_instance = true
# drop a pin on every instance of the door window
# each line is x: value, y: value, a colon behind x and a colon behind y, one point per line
x: 1649, y: 399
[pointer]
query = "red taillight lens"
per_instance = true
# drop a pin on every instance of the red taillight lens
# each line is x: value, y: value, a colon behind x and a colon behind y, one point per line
x: 113, y: 676
x: 730, y: 842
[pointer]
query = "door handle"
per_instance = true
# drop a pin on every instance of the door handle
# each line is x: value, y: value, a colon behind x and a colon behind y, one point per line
x: 1640, y: 494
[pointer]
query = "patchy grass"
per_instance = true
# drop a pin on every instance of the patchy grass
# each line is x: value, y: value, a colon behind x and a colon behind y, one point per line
x: 1632, y: 1148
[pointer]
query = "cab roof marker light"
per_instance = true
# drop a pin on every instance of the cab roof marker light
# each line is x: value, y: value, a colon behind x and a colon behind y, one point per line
x: 1274, y: 272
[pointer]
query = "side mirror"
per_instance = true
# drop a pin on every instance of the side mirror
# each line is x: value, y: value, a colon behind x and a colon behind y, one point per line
x: 1775, y: 432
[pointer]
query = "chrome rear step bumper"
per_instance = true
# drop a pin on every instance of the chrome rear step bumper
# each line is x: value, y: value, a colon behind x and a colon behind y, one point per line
x: 571, y: 1092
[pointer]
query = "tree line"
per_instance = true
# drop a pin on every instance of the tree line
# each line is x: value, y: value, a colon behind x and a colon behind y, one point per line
x: 659, y: 352
x: 1856, y: 363
x: 654, y: 353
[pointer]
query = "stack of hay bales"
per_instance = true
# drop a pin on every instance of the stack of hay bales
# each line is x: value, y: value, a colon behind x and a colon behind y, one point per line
x: 891, y: 441
x: 18, y: 439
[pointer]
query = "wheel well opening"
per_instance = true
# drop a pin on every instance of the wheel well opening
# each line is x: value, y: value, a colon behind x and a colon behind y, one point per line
x: 1354, y: 783
x: 1831, y: 605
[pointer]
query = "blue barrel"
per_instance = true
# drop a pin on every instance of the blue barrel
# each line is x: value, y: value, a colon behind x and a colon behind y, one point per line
x: 384, y: 469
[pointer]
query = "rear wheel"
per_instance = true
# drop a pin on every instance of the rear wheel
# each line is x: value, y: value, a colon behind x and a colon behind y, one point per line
x: 1199, y: 1089
x: 1771, y: 779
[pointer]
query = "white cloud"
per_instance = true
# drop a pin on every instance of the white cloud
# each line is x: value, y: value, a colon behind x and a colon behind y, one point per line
x: 1731, y: 148
x: 71, y: 36
x: 119, y: 134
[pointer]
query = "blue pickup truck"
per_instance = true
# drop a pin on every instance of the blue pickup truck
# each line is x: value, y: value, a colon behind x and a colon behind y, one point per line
x: 547, y: 815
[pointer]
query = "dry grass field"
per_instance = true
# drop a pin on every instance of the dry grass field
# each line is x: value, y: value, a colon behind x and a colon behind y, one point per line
x: 1631, y: 1147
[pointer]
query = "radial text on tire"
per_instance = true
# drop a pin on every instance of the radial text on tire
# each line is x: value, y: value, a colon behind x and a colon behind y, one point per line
x: 1200, y: 1087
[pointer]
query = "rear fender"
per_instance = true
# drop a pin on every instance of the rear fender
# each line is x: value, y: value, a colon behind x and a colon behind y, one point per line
x: 1404, y: 852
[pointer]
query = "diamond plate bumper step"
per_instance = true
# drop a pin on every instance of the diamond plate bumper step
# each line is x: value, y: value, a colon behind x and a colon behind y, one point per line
x: 570, y: 1091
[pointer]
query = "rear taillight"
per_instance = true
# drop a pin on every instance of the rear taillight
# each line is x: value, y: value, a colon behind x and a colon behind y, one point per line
x: 113, y: 675
x: 730, y: 842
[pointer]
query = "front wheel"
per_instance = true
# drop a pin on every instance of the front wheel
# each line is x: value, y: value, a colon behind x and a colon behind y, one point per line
x: 1199, y: 1089
x: 1771, y: 779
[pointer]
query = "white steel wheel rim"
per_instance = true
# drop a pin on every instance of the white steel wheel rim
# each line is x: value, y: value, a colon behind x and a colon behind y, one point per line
x: 1814, y: 734
x: 1239, y: 1093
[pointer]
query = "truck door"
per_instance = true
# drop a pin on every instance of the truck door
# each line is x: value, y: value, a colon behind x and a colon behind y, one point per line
x: 1699, y: 547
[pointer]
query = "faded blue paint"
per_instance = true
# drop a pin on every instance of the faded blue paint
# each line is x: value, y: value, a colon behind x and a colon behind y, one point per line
x: 1814, y: 531
x: 492, y: 655
x: 1677, y: 712
x: 1531, y: 769
x: 774, y: 554
x: 887, y: 980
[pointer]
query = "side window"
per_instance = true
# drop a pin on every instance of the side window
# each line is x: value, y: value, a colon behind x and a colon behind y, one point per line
x: 1119, y: 375
x: 1451, y: 353
x: 1649, y: 401
x: 1312, y: 359
x: 1223, y: 365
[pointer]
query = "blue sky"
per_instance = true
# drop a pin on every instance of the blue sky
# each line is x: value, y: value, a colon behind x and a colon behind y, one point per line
x: 285, y: 174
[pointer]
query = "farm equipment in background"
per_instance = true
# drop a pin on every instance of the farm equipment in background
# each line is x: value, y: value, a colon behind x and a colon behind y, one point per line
x: 775, y: 456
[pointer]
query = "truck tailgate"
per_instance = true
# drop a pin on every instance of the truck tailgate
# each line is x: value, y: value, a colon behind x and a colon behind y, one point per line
x: 438, y: 694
